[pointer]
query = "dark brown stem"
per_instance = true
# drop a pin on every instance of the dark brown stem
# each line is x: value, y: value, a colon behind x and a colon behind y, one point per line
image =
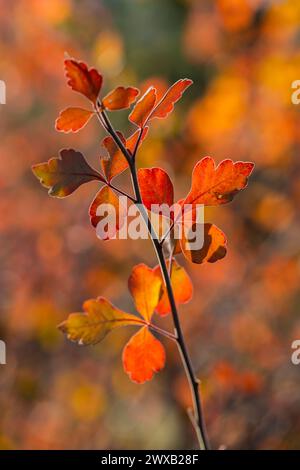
x: 198, y: 419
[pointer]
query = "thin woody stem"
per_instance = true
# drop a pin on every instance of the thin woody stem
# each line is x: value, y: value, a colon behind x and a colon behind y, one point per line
x: 120, y: 191
x: 198, y: 418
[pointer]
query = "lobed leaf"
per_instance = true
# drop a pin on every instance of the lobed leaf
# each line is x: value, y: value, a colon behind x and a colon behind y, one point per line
x: 135, y: 138
x: 213, y: 249
x: 182, y: 288
x: 148, y: 108
x: 156, y: 187
x: 65, y: 174
x: 143, y: 108
x: 86, y: 81
x: 72, y: 119
x: 217, y: 185
x: 117, y: 163
x: 166, y: 104
x: 144, y: 286
x: 115, y: 210
x: 120, y: 98
x: 143, y: 355
x: 97, y: 320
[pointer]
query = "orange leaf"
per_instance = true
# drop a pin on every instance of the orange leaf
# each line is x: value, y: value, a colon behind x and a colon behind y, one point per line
x: 156, y: 187
x: 143, y: 355
x: 116, y: 163
x: 166, y: 104
x: 120, y: 98
x: 143, y: 108
x: 214, y: 245
x: 113, y: 210
x: 98, y: 319
x: 144, y: 286
x: 86, y: 81
x: 133, y: 139
x: 213, y: 186
x: 182, y: 288
x: 65, y: 174
x: 72, y: 119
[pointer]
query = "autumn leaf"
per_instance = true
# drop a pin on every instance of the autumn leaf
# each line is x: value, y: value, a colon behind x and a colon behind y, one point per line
x: 66, y: 173
x: 97, y: 320
x: 217, y: 185
x: 117, y: 163
x: 166, y: 105
x: 156, y: 187
x: 72, y: 119
x: 120, y: 98
x: 113, y: 209
x: 145, y: 286
x: 143, y: 108
x: 143, y: 355
x: 212, y: 249
x: 182, y: 288
x: 131, y: 142
x: 86, y: 81
x: 148, y: 108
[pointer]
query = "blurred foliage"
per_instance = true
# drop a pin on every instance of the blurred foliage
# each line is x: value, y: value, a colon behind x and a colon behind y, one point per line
x: 243, y: 56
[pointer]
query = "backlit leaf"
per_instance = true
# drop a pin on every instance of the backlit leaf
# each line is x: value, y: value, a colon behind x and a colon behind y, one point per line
x: 166, y: 105
x: 114, y: 210
x: 66, y: 173
x: 120, y: 98
x: 143, y: 108
x: 156, y: 187
x: 117, y: 163
x: 143, y: 355
x: 182, y: 288
x: 144, y: 286
x: 86, y: 81
x: 97, y: 320
x: 217, y: 185
x: 132, y: 140
x: 213, y: 247
x: 72, y: 119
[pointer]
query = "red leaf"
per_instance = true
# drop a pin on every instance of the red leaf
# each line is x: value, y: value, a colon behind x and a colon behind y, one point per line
x: 144, y: 286
x: 143, y: 108
x: 182, y: 288
x: 213, y: 186
x: 65, y: 174
x: 72, y: 119
x: 113, y: 209
x: 143, y: 355
x: 120, y: 98
x: 86, y: 81
x: 156, y: 187
x: 166, y: 104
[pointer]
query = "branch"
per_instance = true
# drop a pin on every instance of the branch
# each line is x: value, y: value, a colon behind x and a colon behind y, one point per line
x: 198, y: 418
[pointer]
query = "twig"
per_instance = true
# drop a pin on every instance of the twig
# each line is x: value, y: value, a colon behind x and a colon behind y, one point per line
x: 198, y: 418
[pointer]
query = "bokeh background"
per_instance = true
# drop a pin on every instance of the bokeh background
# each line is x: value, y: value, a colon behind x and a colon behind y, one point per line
x: 243, y: 56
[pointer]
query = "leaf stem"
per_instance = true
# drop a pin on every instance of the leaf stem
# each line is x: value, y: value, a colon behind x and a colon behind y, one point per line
x: 198, y: 418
